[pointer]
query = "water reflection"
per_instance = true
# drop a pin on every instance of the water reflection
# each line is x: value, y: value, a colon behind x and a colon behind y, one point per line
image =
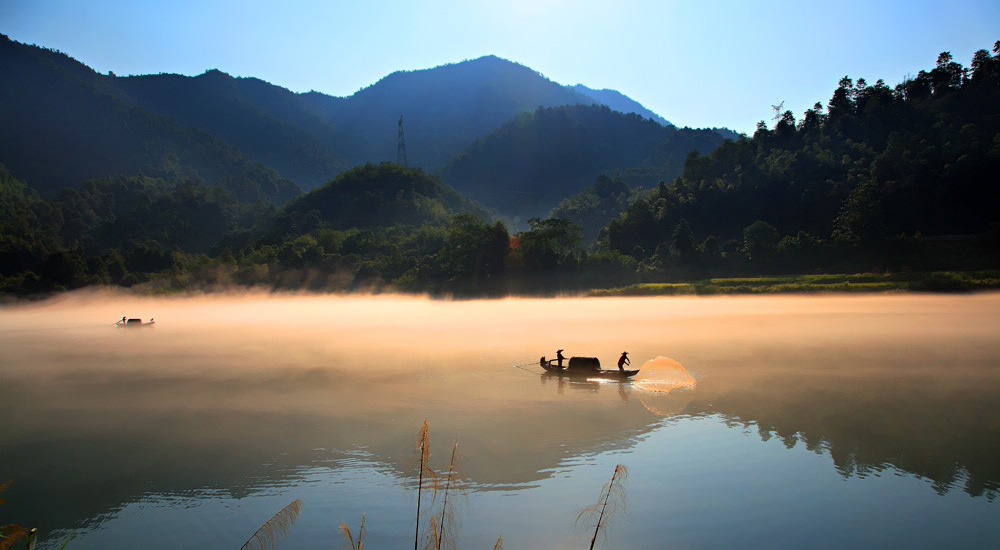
x: 213, y: 401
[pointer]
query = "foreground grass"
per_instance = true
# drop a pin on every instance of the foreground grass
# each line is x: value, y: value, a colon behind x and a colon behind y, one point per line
x: 939, y: 281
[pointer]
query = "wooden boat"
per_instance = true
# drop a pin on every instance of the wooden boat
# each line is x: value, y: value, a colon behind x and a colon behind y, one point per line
x: 134, y: 323
x: 586, y: 367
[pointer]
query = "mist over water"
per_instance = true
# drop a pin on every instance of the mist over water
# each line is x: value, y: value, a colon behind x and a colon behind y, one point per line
x: 820, y: 410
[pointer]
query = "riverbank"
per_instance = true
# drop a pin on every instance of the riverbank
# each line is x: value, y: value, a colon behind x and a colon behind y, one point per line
x: 939, y: 281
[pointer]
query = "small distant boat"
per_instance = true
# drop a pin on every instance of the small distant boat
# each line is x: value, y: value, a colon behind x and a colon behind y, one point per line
x: 586, y: 367
x: 135, y: 323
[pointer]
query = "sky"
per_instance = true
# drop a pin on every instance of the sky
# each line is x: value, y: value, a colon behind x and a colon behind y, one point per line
x: 698, y: 63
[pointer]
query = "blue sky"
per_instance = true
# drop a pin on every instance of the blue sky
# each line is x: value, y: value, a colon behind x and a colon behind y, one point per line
x: 697, y: 63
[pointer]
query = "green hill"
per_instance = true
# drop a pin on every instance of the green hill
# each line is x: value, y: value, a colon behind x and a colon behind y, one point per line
x: 379, y: 195
x: 528, y: 165
x: 64, y: 124
x: 267, y: 123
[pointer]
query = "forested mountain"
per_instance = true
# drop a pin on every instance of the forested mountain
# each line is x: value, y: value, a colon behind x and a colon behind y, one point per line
x: 64, y: 124
x: 444, y: 108
x: 214, y: 126
x: 528, y: 165
x: 878, y: 178
x: 620, y: 102
x: 269, y: 124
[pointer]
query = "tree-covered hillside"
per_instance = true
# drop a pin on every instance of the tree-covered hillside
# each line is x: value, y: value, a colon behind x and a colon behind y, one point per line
x: 64, y: 124
x: 114, y: 231
x: 373, y: 195
x: 878, y: 178
x: 528, y: 165
x: 269, y: 124
x: 594, y: 207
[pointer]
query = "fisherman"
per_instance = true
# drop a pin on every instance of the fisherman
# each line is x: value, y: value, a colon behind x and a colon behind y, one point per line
x: 122, y: 322
x: 623, y: 360
x: 559, y: 358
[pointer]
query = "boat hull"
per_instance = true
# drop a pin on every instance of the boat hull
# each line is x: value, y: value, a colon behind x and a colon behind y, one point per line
x: 613, y: 374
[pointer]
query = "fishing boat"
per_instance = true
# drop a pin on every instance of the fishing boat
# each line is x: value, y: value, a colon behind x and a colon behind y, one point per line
x: 586, y: 367
x: 134, y: 323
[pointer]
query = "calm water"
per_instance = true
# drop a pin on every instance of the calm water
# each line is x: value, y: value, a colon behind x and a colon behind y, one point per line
x: 830, y: 421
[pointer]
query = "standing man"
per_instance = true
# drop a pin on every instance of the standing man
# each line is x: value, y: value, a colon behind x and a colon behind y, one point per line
x: 623, y: 360
x: 559, y: 358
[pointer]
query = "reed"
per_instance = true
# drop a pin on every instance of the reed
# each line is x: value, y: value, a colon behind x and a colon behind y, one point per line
x: 499, y: 544
x: 611, y: 501
x: 346, y: 531
x: 444, y: 505
x: 423, y: 448
x: 279, y: 524
x: 432, y: 533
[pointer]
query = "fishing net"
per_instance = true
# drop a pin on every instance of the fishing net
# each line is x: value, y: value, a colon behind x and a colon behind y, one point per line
x: 663, y: 374
x: 667, y: 387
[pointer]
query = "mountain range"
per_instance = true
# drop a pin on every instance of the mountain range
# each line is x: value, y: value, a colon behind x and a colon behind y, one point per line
x: 64, y: 123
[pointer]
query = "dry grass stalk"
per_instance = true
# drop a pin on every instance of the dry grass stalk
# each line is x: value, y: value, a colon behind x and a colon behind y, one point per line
x: 432, y: 533
x: 444, y: 506
x: 611, y: 501
x: 424, y: 448
x: 346, y: 531
x: 278, y: 524
x: 499, y: 544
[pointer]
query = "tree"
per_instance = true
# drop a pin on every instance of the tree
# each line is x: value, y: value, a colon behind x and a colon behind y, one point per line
x: 550, y: 243
x: 760, y: 240
x: 682, y: 247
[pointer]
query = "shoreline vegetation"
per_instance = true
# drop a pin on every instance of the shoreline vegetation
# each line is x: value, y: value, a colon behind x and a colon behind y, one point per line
x: 938, y: 281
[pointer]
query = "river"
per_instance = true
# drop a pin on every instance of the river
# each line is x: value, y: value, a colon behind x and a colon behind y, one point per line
x: 781, y: 421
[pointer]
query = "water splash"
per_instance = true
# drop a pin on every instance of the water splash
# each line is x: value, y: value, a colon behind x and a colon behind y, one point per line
x: 665, y: 375
x: 667, y: 387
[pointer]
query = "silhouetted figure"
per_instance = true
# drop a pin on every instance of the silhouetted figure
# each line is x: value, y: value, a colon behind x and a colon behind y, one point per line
x: 122, y: 322
x: 623, y: 360
x: 559, y: 358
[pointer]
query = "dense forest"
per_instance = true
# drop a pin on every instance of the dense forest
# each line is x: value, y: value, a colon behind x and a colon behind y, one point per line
x: 879, y: 179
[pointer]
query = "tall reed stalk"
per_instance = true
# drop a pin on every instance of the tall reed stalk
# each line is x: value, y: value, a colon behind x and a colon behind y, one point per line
x: 346, y: 531
x: 277, y: 525
x: 444, y: 505
x: 611, y: 500
x: 423, y: 447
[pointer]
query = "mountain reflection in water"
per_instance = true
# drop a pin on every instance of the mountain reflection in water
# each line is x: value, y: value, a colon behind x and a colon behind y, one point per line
x: 231, y: 394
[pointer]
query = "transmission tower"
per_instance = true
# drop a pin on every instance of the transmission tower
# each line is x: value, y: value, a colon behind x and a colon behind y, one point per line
x: 401, y: 145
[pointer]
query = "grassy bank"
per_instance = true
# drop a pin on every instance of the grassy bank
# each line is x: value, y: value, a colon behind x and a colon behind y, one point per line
x: 939, y: 281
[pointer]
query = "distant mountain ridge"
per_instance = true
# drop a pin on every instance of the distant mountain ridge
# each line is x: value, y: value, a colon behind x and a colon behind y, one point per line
x: 444, y: 108
x: 620, y: 102
x: 64, y: 123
